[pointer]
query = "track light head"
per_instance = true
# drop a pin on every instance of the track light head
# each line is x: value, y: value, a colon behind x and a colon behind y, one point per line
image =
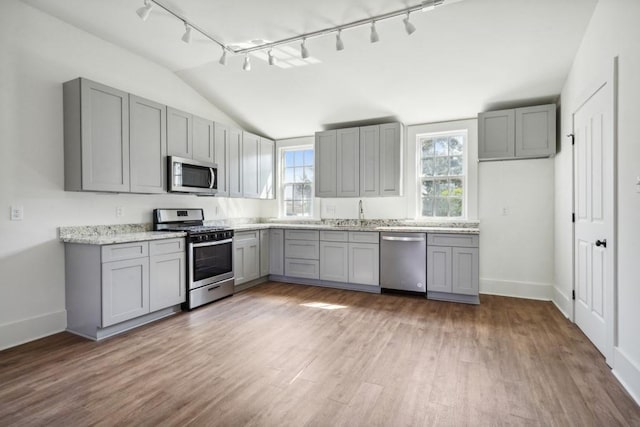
x: 246, y: 66
x: 187, y: 33
x: 145, y: 10
x: 408, y: 26
x: 223, y: 57
x: 375, y: 38
x: 304, y: 52
x: 339, y: 42
x: 272, y: 59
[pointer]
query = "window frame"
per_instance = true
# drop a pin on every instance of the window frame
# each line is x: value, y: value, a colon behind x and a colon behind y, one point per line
x: 464, y: 177
x: 281, y: 187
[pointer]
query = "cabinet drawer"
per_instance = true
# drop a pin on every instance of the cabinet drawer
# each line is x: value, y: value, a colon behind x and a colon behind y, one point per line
x: 124, y: 251
x: 334, y: 236
x: 307, y: 269
x: 246, y: 235
x: 166, y: 246
x: 301, y: 234
x: 364, y: 237
x: 455, y: 240
x: 301, y: 249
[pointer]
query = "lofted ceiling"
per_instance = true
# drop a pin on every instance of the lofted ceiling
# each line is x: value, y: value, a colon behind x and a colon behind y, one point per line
x: 465, y: 57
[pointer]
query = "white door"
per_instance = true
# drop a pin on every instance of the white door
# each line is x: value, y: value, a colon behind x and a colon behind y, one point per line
x: 594, y: 221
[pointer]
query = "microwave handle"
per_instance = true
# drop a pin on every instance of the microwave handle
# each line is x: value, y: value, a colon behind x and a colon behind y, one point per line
x: 212, y: 178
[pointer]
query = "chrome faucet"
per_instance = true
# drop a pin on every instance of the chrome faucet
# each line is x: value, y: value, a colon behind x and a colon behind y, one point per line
x: 360, y: 212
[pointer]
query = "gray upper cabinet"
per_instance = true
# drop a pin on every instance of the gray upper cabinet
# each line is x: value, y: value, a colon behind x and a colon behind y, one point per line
x: 536, y: 131
x: 370, y: 161
x: 325, y: 163
x: 96, y: 137
x: 250, y: 167
x: 528, y: 132
x: 148, y: 145
x: 221, y: 157
x: 203, y: 146
x: 391, y: 159
x: 266, y: 175
x: 234, y: 166
x: 179, y: 133
x: 348, y: 162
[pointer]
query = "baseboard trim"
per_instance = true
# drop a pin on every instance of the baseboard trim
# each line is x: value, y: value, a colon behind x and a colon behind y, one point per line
x: 20, y: 332
x: 505, y: 288
x: 562, y: 302
x: 627, y: 372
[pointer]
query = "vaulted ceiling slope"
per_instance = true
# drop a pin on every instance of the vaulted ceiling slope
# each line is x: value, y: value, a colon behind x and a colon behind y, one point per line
x: 465, y: 57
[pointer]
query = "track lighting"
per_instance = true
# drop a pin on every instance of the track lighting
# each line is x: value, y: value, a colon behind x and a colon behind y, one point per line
x: 145, y: 10
x: 304, y: 52
x: 375, y: 38
x: 247, y: 63
x: 223, y: 57
x: 431, y: 4
x: 187, y: 33
x: 272, y: 59
x: 408, y: 26
x: 339, y: 42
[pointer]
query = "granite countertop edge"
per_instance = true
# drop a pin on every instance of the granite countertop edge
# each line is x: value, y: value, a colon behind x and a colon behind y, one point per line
x: 390, y: 228
x: 122, y: 237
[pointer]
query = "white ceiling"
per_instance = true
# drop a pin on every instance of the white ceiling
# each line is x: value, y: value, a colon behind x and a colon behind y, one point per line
x: 464, y: 57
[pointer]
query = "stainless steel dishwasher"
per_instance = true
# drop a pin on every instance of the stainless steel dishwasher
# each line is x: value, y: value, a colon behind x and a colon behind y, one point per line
x: 403, y: 261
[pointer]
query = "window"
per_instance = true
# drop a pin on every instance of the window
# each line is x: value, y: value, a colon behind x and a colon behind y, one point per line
x: 442, y: 174
x: 297, y: 182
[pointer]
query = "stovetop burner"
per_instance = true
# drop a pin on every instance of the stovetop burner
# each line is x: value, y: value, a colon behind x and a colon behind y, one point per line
x: 197, y: 228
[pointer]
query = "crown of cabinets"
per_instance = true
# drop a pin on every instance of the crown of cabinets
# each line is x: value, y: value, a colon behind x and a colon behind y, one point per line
x: 118, y: 142
x: 359, y: 162
x: 519, y: 133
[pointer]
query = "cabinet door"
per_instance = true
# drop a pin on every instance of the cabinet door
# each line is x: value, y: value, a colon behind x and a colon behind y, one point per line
x: 536, y: 131
x: 125, y: 290
x: 203, y: 140
x: 370, y: 161
x: 266, y: 166
x: 276, y: 252
x: 496, y: 134
x: 325, y: 164
x: 221, y: 157
x: 147, y: 145
x: 179, y: 133
x: 465, y: 271
x: 105, y: 138
x: 246, y: 260
x: 167, y: 280
x: 264, y: 253
x: 334, y: 261
x: 250, y: 152
x: 235, y: 163
x: 391, y: 159
x: 348, y: 162
x: 439, y: 269
x: 302, y: 268
x: 364, y: 264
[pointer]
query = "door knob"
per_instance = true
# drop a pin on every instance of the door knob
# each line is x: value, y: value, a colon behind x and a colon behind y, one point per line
x: 602, y: 242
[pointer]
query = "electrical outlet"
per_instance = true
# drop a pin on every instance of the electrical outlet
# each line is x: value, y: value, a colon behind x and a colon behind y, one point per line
x: 17, y: 213
x: 506, y: 211
x: 217, y: 210
x: 119, y: 211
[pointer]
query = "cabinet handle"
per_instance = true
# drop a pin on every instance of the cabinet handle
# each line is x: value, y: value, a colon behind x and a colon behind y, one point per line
x: 212, y: 288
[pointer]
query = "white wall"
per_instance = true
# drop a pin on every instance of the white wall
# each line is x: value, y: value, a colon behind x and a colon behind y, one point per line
x: 38, y: 53
x: 613, y: 31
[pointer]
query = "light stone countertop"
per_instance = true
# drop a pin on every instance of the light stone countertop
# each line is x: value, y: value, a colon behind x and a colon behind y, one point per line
x: 389, y: 228
x: 110, y: 239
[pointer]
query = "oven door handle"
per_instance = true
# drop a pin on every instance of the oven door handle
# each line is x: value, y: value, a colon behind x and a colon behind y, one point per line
x: 219, y: 242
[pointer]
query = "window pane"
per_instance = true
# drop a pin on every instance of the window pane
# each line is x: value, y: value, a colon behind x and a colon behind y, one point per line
x: 308, y: 174
x: 299, y: 174
x: 441, y: 166
x: 428, y: 188
x: 441, y: 188
x: 427, y: 206
x: 299, y: 158
x: 307, y: 191
x: 427, y: 148
x: 306, y: 207
x: 455, y: 207
x: 288, y: 208
x: 308, y: 157
x: 455, y: 146
x: 427, y: 167
x: 442, y: 147
x: 441, y: 207
x: 297, y: 191
x: 455, y: 187
x: 456, y: 166
x: 288, y: 159
x: 288, y: 192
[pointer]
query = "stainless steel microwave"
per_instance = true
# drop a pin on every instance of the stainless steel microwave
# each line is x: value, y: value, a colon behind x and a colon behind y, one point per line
x: 192, y: 176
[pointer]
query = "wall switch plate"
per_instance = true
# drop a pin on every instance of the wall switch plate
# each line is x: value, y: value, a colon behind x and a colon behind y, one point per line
x: 17, y: 213
x: 119, y: 211
x: 506, y: 211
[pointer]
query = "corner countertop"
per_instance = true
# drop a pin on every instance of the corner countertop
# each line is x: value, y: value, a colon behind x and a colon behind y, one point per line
x: 389, y: 228
x: 113, y: 234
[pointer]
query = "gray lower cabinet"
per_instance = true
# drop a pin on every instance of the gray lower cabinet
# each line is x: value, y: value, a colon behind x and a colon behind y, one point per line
x: 350, y: 257
x: 112, y: 288
x: 264, y: 253
x: 364, y: 262
x: 96, y: 137
x: 147, y: 145
x: 203, y: 140
x: 302, y: 254
x: 453, y: 267
x: 179, y: 133
x: 234, y: 165
x: 246, y: 256
x: 276, y: 252
x: 334, y: 261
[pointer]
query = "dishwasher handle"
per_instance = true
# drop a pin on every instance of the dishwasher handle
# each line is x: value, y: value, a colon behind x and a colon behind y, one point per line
x: 403, y: 239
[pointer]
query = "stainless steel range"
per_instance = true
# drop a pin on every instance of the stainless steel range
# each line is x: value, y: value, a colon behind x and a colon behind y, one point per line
x: 209, y: 254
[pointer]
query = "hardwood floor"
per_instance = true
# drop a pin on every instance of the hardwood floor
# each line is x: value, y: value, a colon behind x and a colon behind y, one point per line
x: 264, y: 358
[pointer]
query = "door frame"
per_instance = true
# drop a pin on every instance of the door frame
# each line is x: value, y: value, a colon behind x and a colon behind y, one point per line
x: 607, y: 76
